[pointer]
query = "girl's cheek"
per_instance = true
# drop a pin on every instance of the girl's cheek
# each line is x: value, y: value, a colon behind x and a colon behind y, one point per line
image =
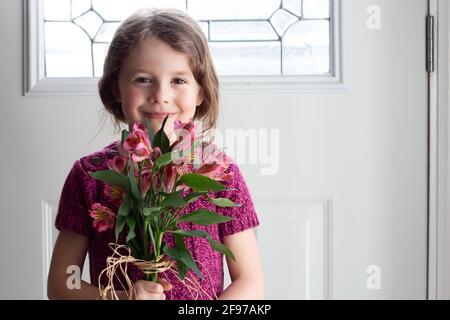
x: 180, y: 116
x: 190, y: 103
x: 136, y: 93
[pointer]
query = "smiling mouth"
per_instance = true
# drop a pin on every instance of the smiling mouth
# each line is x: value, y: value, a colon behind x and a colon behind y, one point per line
x: 157, y: 115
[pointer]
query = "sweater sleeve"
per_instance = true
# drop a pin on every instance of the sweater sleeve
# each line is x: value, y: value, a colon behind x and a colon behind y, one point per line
x: 73, y: 205
x: 244, y: 216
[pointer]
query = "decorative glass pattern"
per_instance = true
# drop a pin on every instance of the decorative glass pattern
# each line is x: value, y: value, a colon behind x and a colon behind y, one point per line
x: 252, y: 37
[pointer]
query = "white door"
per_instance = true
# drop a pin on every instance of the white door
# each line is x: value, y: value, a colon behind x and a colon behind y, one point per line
x: 345, y: 216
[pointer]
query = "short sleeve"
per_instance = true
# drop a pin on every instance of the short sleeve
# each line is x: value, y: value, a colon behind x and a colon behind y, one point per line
x: 244, y: 216
x: 73, y: 212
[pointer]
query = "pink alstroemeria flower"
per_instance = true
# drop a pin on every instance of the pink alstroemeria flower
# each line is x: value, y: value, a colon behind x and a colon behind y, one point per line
x: 214, y: 164
x: 138, y: 143
x: 215, y: 172
x: 116, y: 193
x: 146, y: 173
x: 170, y: 174
x: 186, y: 135
x: 169, y: 177
x: 156, y: 154
x: 118, y: 163
x: 146, y: 182
x: 104, y: 218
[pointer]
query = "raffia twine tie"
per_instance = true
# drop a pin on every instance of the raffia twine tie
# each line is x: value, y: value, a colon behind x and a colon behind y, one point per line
x: 117, y: 264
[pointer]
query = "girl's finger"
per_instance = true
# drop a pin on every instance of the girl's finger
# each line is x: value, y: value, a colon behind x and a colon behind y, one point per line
x: 166, y: 284
x: 151, y: 296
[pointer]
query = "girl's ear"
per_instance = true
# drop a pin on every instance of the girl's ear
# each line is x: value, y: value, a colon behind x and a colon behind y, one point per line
x: 200, y: 97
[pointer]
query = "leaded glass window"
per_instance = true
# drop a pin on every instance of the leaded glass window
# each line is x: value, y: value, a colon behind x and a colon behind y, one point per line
x: 247, y: 38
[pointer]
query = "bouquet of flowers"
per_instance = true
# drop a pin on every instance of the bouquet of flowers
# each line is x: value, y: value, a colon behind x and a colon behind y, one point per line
x: 152, y: 182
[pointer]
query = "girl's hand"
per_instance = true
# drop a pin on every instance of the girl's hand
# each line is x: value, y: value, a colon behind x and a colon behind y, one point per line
x: 149, y: 290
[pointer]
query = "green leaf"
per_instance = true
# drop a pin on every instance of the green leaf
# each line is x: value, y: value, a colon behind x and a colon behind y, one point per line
x: 135, y: 252
x: 161, y: 140
x: 148, y: 228
x: 133, y: 184
x: 191, y: 197
x: 171, y: 225
x: 181, y: 253
x: 120, y: 223
x: 223, y: 202
x: 182, y: 269
x: 125, y: 135
x: 187, y: 152
x: 168, y: 157
x: 192, y: 233
x: 204, y: 217
x: 151, y: 133
x: 173, y: 200
x: 217, y: 246
x: 148, y: 212
x: 113, y: 178
x: 164, y: 159
x: 131, y: 221
x: 125, y: 206
x: 181, y: 266
x: 200, y: 182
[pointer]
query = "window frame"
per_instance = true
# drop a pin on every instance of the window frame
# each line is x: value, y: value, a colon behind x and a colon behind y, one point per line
x: 35, y: 83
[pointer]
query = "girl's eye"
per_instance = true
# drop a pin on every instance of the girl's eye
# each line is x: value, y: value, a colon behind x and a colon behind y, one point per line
x: 142, y: 80
x: 179, y: 81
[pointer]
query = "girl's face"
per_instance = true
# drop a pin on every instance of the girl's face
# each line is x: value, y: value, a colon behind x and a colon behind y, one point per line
x: 157, y: 81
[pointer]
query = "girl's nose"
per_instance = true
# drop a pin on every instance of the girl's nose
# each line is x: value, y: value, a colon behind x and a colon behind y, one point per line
x: 159, y: 93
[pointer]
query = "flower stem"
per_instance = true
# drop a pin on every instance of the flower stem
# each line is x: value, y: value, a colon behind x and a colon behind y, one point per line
x: 159, y: 236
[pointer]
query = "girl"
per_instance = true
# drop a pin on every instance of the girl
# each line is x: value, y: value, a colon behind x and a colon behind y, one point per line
x: 158, y: 63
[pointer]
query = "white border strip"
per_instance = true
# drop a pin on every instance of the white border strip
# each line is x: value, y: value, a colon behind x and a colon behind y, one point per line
x: 47, y: 243
x: 439, y: 199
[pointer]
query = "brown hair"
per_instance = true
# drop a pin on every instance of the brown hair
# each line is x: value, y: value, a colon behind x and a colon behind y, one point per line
x: 183, y: 34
